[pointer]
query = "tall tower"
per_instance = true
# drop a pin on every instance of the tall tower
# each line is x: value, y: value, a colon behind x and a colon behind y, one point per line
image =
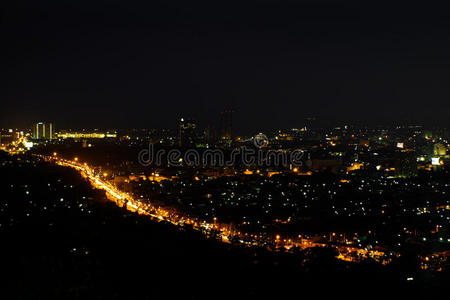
x: 186, y: 132
x: 226, y: 126
x: 210, y: 135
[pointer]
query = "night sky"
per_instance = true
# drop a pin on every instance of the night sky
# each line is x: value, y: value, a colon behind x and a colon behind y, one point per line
x: 123, y: 64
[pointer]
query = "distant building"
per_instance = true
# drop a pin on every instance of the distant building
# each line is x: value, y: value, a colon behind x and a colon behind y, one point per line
x: 226, y: 126
x: 186, y: 132
x: 439, y: 149
x: 210, y: 135
x: 86, y: 134
x: 43, y: 131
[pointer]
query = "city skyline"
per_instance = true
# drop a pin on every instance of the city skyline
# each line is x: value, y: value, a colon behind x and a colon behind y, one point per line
x: 261, y: 149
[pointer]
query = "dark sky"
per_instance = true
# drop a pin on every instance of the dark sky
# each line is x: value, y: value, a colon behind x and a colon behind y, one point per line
x: 129, y: 64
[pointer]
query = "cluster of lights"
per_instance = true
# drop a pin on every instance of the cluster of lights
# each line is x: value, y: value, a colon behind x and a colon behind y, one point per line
x: 224, y: 232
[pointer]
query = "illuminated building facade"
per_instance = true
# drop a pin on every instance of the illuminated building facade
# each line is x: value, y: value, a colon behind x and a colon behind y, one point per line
x: 186, y: 132
x: 43, y: 131
x: 439, y: 149
x: 86, y: 135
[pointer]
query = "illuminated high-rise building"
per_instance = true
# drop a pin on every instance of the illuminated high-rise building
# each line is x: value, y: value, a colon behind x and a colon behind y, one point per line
x: 43, y: 131
x: 186, y: 132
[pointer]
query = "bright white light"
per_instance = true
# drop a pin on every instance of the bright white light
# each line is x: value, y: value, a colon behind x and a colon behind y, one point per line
x: 28, y: 144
